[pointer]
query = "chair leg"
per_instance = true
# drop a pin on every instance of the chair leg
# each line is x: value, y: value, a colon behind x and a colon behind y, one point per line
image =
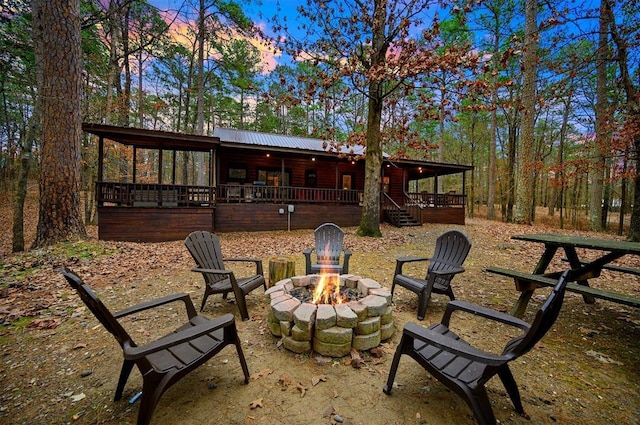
x: 478, y: 401
x: 242, y: 306
x: 204, y: 300
x: 152, y: 390
x: 243, y: 362
x: 127, y: 366
x: 450, y: 293
x: 400, y: 349
x: 423, y: 301
x: 512, y: 388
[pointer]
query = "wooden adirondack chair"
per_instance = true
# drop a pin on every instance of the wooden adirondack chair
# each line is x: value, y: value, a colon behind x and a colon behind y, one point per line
x: 205, y: 250
x: 165, y: 361
x: 328, y: 248
x: 465, y: 369
x: 451, y: 250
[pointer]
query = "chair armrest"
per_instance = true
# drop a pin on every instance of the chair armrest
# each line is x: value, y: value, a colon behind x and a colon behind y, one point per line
x: 400, y: 262
x: 247, y: 259
x: 307, y: 259
x: 191, y: 311
x: 452, y: 345
x: 212, y: 271
x: 256, y: 261
x: 133, y: 353
x: 484, y: 312
x: 345, y: 265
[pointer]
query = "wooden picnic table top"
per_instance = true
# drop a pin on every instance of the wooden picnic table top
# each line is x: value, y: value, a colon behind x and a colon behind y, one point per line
x: 557, y: 239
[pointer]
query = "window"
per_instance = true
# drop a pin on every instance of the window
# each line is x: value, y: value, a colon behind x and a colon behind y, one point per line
x: 347, y: 181
x: 237, y: 173
x: 311, y: 178
x: 275, y: 177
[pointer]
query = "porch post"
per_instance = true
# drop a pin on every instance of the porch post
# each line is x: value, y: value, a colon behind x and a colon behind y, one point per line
x: 160, y: 166
x: 173, y: 168
x: 135, y: 161
x: 464, y: 179
x: 212, y: 168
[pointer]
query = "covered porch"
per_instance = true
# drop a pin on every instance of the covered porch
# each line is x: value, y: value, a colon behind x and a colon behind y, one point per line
x: 247, y: 181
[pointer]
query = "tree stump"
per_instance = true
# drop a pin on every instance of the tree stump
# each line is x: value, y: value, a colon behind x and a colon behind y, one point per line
x: 281, y: 268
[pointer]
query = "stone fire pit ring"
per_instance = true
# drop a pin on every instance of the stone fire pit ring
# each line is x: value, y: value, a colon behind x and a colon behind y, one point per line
x: 330, y: 330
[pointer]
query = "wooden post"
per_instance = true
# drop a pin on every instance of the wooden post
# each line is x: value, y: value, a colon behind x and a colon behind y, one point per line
x: 281, y: 268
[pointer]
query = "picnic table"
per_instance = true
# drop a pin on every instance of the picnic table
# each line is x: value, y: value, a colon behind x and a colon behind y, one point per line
x: 581, y: 269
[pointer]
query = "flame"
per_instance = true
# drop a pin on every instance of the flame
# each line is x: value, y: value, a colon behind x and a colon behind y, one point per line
x: 328, y: 290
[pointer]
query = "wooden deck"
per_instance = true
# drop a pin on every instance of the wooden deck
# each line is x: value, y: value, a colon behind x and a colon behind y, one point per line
x: 154, y: 212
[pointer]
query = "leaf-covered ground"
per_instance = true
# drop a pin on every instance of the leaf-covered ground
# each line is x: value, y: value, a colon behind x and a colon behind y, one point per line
x: 60, y: 366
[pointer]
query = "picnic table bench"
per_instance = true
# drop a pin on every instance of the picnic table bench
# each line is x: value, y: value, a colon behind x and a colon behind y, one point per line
x: 581, y: 270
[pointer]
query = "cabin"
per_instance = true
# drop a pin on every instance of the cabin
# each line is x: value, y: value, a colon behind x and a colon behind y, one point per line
x: 159, y: 186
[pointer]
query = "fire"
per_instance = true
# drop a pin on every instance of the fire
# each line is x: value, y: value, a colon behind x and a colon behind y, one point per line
x: 328, y: 290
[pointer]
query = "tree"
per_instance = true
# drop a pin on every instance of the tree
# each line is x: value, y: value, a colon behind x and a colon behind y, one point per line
x: 631, y: 129
x: 240, y: 62
x: 374, y: 48
x: 496, y: 20
x: 56, y: 36
x: 524, y: 189
x: 601, y: 144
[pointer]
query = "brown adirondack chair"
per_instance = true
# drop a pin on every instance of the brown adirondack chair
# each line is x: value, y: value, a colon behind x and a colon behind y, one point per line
x: 465, y: 369
x: 328, y: 248
x: 165, y: 361
x: 451, y: 250
x: 205, y: 250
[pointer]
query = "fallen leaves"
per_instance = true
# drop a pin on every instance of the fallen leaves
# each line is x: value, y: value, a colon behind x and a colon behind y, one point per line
x: 315, y: 380
x: 256, y: 403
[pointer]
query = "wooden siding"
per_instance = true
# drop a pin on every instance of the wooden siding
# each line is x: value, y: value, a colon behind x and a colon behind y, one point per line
x: 444, y: 215
x: 329, y: 171
x: 151, y: 224
x: 253, y: 217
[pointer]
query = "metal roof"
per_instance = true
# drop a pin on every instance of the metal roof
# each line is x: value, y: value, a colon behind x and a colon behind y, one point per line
x: 279, y: 141
x: 154, y: 139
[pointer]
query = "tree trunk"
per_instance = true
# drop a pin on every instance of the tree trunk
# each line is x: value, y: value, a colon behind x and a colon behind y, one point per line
x: 370, y: 220
x: 124, y: 104
x: 524, y: 188
x: 633, y: 116
x: 56, y: 27
x: 21, y: 190
x: 600, y: 145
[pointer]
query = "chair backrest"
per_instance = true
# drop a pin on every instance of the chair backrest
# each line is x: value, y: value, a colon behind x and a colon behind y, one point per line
x: 329, y: 238
x: 204, y: 247
x: 545, y: 318
x: 96, y: 306
x: 451, y: 250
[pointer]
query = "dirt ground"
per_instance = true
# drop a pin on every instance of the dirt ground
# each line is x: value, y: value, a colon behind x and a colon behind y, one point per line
x: 60, y: 366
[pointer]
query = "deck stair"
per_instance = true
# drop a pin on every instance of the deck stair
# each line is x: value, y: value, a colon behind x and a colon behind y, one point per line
x: 400, y: 217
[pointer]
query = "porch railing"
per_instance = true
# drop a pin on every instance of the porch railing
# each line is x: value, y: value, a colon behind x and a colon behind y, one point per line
x: 285, y: 194
x: 154, y: 195
x: 166, y: 195
x: 433, y: 200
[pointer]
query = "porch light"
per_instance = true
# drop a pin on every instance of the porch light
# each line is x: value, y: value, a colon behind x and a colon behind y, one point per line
x: 313, y: 158
x: 353, y: 163
x: 268, y: 155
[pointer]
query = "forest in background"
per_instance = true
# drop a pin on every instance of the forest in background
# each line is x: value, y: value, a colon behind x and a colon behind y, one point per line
x: 452, y: 80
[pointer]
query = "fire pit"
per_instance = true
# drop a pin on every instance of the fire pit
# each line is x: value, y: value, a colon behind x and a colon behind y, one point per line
x: 330, y: 313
